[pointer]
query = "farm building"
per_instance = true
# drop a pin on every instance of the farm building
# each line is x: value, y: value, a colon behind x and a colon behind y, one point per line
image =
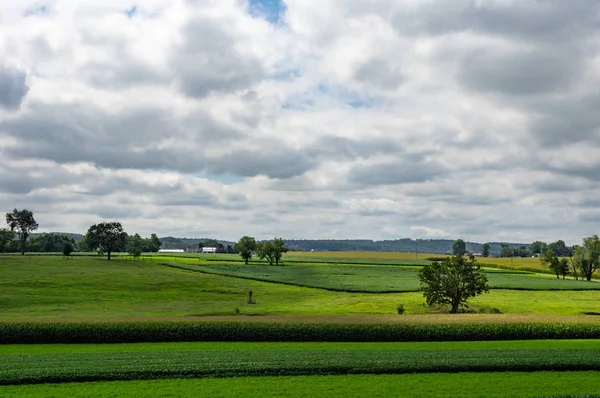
x: 171, y: 251
x: 209, y: 250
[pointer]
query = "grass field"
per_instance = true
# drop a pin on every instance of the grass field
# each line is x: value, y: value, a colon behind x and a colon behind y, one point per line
x: 49, y: 287
x: 452, y: 385
x: 62, y: 363
x: 380, y: 279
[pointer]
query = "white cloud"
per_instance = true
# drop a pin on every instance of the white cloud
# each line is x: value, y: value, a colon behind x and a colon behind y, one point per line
x: 429, y: 232
x: 376, y: 119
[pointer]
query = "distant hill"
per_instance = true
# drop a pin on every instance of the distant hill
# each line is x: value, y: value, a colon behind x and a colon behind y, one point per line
x: 436, y: 246
x: 169, y: 242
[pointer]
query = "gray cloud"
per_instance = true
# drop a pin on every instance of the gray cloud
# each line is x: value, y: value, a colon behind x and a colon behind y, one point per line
x: 13, y: 88
x: 520, y: 72
x: 402, y: 171
x: 209, y: 61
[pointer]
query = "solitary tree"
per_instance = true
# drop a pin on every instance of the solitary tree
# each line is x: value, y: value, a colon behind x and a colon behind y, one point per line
x: 67, y: 249
x: 245, y: 246
x: 452, y: 281
x: 23, y: 222
x: 6, y: 235
x: 459, y: 248
x: 485, y: 250
x: 271, y: 250
x: 106, y: 236
x: 135, y: 246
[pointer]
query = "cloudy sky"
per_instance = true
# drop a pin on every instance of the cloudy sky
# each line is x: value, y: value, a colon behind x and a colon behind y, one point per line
x: 304, y: 119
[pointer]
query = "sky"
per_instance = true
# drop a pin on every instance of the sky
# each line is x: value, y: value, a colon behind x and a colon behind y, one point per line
x: 329, y: 119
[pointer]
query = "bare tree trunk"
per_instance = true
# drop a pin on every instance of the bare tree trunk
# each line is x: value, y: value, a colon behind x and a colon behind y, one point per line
x: 108, y: 255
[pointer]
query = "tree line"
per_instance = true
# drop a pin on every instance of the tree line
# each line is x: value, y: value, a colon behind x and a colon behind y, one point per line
x: 104, y: 237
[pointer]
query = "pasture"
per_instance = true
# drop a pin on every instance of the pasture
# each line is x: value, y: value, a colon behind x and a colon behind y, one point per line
x: 50, y: 287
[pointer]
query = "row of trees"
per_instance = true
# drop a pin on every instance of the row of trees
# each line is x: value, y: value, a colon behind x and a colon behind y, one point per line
x: 583, y: 260
x: 104, y: 237
x: 271, y: 250
x: 537, y: 248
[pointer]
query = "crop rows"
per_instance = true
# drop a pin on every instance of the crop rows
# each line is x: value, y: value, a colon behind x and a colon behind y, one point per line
x: 133, y: 332
x: 370, y: 279
x: 32, y: 368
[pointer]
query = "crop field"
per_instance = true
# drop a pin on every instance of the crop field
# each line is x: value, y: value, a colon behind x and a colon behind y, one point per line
x: 452, y: 385
x: 330, y: 297
x: 64, y: 363
x: 380, y: 279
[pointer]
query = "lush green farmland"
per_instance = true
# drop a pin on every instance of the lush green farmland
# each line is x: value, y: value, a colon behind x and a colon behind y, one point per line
x: 485, y: 384
x: 50, y: 287
x: 107, y: 294
x: 38, y: 364
x: 380, y: 279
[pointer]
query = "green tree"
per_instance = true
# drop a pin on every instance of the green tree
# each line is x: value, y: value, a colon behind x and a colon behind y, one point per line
x: 538, y: 248
x: 67, y: 249
x: 506, y: 251
x: 209, y: 243
x: 452, y: 281
x: 521, y: 252
x: 271, y: 250
x: 135, y: 246
x: 49, y: 243
x: 154, y: 244
x: 245, y: 246
x: 6, y: 235
x: 23, y: 222
x: 485, y: 250
x: 560, y: 266
x: 587, y: 257
x: 459, y: 247
x: 560, y: 249
x: 107, y: 237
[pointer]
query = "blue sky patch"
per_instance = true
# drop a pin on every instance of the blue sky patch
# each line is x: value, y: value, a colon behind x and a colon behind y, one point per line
x: 131, y: 12
x: 271, y: 10
x: 39, y: 9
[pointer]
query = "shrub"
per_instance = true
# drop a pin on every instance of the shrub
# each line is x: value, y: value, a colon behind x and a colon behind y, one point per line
x: 249, y: 299
x: 436, y: 258
x: 400, y: 309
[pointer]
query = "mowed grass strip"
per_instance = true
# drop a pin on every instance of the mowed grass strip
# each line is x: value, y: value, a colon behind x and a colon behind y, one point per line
x: 379, y: 279
x: 274, y: 359
x: 446, y: 385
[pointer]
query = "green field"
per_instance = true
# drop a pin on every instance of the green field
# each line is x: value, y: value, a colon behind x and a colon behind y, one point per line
x: 49, y: 287
x: 379, y: 279
x: 313, y: 292
x: 64, y: 363
x: 451, y: 385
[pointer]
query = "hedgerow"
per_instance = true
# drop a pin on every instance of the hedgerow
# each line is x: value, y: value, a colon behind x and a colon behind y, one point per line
x: 132, y: 332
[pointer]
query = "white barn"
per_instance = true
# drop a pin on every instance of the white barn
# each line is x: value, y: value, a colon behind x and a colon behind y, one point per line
x: 209, y: 250
x: 171, y: 251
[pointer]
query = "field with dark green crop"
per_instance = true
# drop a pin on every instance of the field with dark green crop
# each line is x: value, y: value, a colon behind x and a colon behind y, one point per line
x: 379, y: 279
x: 56, y: 364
